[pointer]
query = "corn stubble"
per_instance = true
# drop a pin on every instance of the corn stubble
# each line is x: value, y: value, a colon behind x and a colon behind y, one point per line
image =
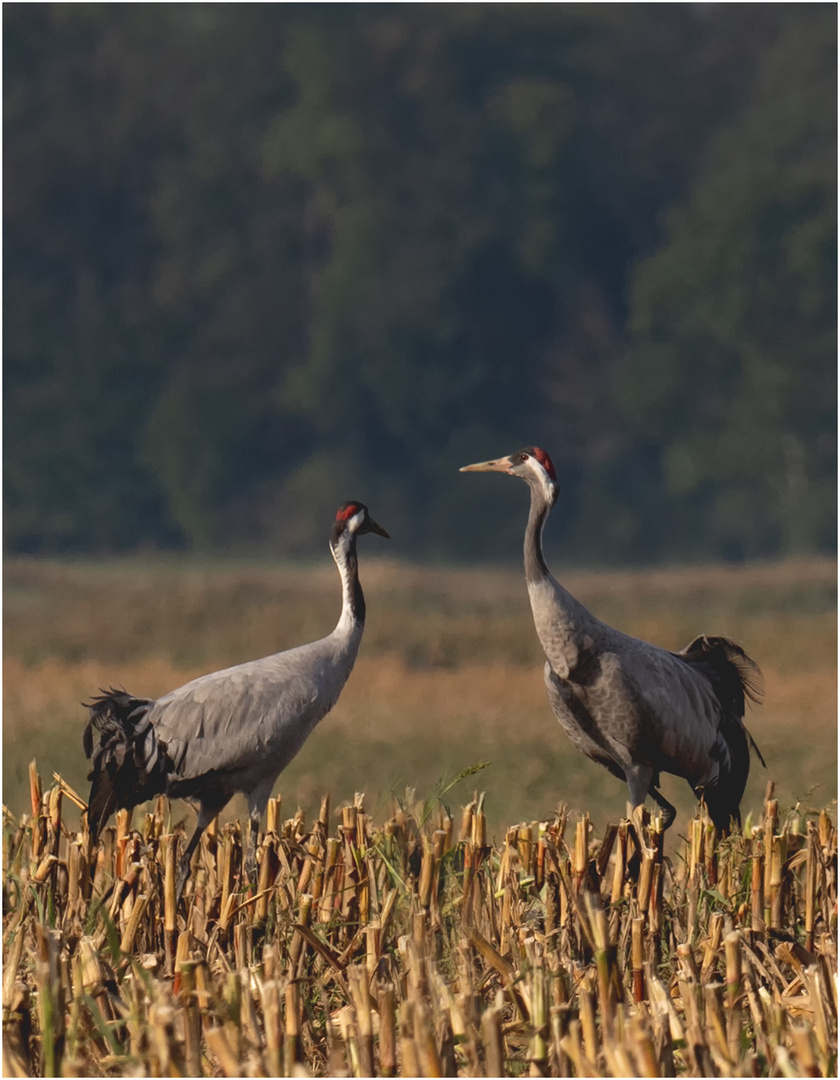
x: 417, y: 948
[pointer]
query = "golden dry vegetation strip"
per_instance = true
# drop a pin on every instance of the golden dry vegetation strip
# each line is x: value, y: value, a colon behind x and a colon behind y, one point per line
x: 413, y: 946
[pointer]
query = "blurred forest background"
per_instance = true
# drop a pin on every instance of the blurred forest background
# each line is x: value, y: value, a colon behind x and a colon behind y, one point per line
x: 263, y: 258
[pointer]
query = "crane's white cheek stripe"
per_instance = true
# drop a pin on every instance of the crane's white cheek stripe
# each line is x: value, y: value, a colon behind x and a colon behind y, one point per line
x: 356, y: 521
x: 542, y: 476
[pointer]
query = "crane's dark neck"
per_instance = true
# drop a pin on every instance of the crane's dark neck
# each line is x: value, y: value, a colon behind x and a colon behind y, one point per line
x: 352, y: 597
x: 535, y: 567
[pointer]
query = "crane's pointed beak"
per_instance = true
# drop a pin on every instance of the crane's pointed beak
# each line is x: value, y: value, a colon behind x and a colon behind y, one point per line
x: 498, y: 465
x: 374, y: 527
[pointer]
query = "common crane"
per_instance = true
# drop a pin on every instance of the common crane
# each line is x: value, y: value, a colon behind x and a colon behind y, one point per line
x: 633, y: 707
x: 230, y: 731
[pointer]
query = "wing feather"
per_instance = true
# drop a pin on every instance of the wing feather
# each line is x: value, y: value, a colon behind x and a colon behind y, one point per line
x: 254, y: 716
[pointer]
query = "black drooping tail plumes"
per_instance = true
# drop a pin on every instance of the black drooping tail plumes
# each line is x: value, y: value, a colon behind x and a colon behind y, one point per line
x: 734, y: 677
x: 130, y: 764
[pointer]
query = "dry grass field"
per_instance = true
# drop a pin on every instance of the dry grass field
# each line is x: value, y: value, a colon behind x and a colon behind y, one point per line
x: 449, y: 674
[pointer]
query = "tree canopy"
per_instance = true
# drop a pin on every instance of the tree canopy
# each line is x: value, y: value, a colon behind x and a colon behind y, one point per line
x: 263, y: 258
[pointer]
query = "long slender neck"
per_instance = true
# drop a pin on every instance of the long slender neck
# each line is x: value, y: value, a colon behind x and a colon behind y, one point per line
x: 562, y: 622
x: 352, y: 598
x: 535, y: 567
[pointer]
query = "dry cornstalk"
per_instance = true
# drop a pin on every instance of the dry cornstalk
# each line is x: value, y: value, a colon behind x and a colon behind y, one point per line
x: 620, y: 865
x: 424, y: 1040
x: 219, y: 1046
x: 493, y: 1041
x: 638, y: 957
x: 271, y: 993
x: 811, y: 872
x: 580, y: 859
x: 192, y: 1018
x: 291, y: 1048
x: 715, y: 927
x: 360, y: 993
x: 586, y: 999
x: 387, y: 1028
x: 757, y: 895
x: 169, y: 912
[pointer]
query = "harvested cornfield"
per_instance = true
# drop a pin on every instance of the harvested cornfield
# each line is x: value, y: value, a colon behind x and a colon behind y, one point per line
x: 414, y: 947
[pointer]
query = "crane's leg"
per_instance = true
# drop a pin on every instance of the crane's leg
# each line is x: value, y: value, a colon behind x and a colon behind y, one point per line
x: 251, y: 858
x: 205, y: 816
x: 669, y: 812
x: 639, y: 779
x: 257, y: 801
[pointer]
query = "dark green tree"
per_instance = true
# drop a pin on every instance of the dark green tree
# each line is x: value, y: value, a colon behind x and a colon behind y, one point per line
x: 733, y: 370
x: 79, y: 349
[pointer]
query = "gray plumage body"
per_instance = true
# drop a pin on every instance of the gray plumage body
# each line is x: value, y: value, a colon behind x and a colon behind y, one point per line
x: 241, y: 727
x: 233, y: 730
x: 633, y: 707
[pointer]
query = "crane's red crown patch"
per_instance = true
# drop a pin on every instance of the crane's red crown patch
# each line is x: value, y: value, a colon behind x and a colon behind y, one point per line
x: 346, y: 512
x: 544, y: 460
